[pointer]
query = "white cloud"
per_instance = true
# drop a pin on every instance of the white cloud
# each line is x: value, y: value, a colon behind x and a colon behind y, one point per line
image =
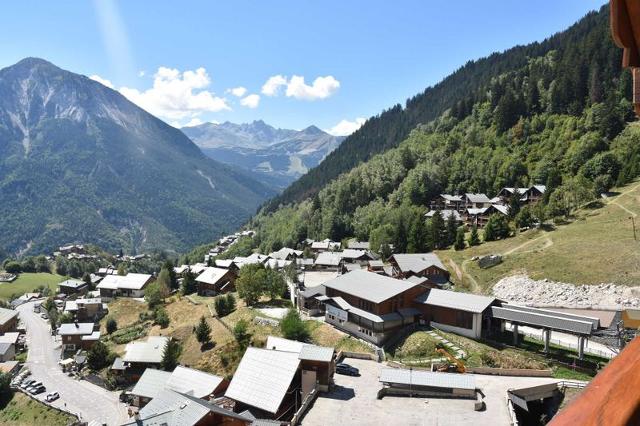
x: 238, y: 91
x: 321, y: 88
x: 101, y: 80
x: 250, y: 101
x: 194, y: 122
x: 272, y: 86
x: 141, y: 73
x: 346, y: 127
x: 177, y: 95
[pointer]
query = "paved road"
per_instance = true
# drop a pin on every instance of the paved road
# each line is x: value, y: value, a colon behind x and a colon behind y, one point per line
x: 91, y: 402
x: 354, y: 402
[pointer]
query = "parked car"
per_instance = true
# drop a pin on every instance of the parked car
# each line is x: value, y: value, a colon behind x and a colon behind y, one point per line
x: 26, y: 383
x: 44, y: 316
x: 37, y: 390
x: 347, y: 370
x: 52, y: 396
x: 33, y: 385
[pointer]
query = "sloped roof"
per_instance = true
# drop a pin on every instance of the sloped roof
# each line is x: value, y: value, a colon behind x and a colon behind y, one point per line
x: 329, y: 258
x: 72, y: 283
x: 456, y: 300
x: 130, y: 281
x: 6, y: 315
x: 263, y: 378
x: 417, y: 262
x: 151, y: 383
x: 281, y: 344
x: 75, y: 329
x: 355, y: 254
x: 212, y: 275
x: 316, y: 278
x: 502, y: 209
x: 358, y: 245
x: 542, y: 320
x: 149, y: 351
x: 446, y: 213
x: 477, y: 198
x: 320, y: 245
x: 452, y: 198
x: 427, y: 378
x: 316, y: 353
x: 369, y: 285
x: 284, y: 253
x: 182, y: 379
x: 170, y: 408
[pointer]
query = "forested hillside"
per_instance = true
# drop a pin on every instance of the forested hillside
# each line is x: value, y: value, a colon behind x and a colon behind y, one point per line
x: 576, y: 68
x: 551, y: 113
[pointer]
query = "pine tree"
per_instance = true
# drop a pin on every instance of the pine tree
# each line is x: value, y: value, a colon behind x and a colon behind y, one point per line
x: 203, y: 331
x: 452, y: 229
x: 170, y: 355
x: 474, y: 238
x: 459, y: 243
x: 514, y: 204
x: 438, y: 231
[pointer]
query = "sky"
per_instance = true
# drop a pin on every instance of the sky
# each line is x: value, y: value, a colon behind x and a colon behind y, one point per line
x: 290, y: 63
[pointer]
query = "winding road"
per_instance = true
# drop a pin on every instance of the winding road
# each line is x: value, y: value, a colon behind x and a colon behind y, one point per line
x: 92, y: 403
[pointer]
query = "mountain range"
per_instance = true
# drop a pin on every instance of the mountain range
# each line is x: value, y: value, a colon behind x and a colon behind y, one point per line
x: 81, y: 163
x: 275, y: 156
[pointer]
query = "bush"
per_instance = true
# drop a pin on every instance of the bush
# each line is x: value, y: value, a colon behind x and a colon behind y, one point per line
x: 293, y: 327
x: 231, y: 302
x: 13, y: 267
x: 220, y: 303
x: 241, y: 334
x: 161, y: 317
x: 112, y: 326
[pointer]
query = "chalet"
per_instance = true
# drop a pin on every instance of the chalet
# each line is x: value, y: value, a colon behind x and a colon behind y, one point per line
x: 316, y: 362
x: 446, y: 213
x: 534, y: 194
x: 461, y: 313
x: 142, y: 355
x: 78, y: 335
x: 369, y: 305
x: 7, y: 351
x: 172, y: 408
x: 277, y: 264
x: 227, y: 264
x: 267, y: 383
x: 311, y: 300
x: 357, y: 256
x: 71, y: 286
x: 85, y: 309
x: 358, y: 245
x: 213, y: 281
x: 130, y: 285
x: 286, y: 253
x: 506, y: 193
x: 8, y: 320
x: 448, y: 202
x: 480, y: 217
x: 253, y: 259
x: 183, y: 380
x: 476, y: 201
x: 324, y: 245
x: 72, y: 248
x: 328, y: 260
x: 427, y: 265
x: 376, y: 266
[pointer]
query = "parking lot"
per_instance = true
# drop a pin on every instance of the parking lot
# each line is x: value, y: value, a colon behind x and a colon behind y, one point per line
x: 354, y: 402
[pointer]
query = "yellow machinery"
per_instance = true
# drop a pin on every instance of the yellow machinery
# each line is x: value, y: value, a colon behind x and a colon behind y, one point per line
x: 459, y: 364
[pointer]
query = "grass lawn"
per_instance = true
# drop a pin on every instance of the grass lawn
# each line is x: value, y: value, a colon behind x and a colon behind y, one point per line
x: 23, y: 411
x: 565, y: 253
x: 28, y: 281
x: 417, y: 345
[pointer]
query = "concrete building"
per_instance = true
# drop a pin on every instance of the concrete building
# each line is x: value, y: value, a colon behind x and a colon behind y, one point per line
x: 461, y: 313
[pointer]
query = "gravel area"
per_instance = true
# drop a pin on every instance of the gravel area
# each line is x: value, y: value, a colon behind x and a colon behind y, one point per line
x: 547, y: 293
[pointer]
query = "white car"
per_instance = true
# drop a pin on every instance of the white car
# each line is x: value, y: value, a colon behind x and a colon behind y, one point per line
x: 44, y: 316
x: 52, y: 396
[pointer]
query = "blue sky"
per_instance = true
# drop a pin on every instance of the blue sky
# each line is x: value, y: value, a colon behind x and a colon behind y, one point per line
x: 327, y: 61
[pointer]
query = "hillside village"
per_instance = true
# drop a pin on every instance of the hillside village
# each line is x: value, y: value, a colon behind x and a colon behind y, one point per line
x: 202, y: 335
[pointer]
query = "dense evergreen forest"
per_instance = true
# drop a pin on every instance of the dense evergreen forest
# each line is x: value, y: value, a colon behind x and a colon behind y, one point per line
x: 585, y: 69
x: 554, y: 113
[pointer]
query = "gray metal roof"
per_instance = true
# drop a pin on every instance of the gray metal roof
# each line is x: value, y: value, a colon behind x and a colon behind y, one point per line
x: 417, y: 262
x: 358, y: 245
x: 456, y: 300
x: 316, y: 353
x: 427, y: 378
x: 542, y: 320
x: 285, y: 345
x: 595, y: 322
x: 263, y: 378
x: 317, y: 278
x: 212, y: 275
x: 477, y: 198
x: 306, y: 351
x: 355, y: 254
x: 149, y: 351
x: 313, y: 291
x: 328, y: 258
x: 6, y: 315
x: 4, y: 347
x: 74, y: 329
x: 72, y: 283
x: 130, y: 281
x: 369, y: 286
x: 446, y: 213
x: 151, y: 383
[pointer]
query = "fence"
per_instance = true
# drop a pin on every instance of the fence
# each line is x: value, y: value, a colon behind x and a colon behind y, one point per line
x: 305, y: 406
x: 520, y: 372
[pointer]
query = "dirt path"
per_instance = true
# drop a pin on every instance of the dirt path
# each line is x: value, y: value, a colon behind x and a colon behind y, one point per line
x: 609, y: 200
x: 548, y: 243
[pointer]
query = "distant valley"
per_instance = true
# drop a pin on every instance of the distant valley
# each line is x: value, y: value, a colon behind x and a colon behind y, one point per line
x: 275, y: 156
